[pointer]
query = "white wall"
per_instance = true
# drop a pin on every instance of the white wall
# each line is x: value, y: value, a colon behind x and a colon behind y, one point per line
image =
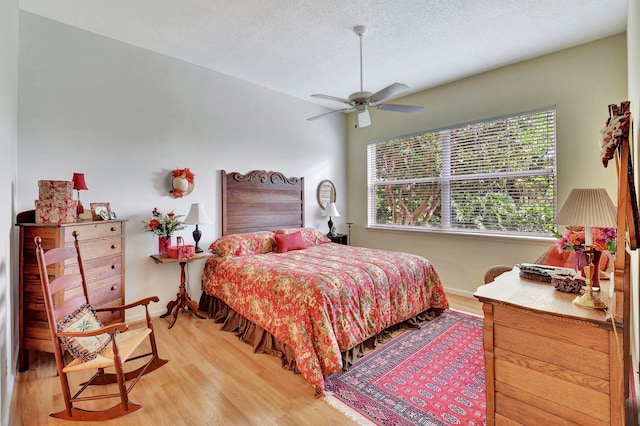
x: 8, y: 147
x: 581, y: 82
x: 126, y: 117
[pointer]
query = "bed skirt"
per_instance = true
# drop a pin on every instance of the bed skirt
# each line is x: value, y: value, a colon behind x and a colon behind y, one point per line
x: 264, y: 342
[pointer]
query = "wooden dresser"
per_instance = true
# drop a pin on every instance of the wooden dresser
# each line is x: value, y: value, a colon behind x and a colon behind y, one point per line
x: 548, y: 361
x: 102, y: 246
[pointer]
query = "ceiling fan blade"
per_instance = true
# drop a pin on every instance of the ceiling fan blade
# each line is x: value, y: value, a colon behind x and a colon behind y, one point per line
x: 411, y: 109
x: 389, y: 91
x: 332, y: 98
x: 330, y: 112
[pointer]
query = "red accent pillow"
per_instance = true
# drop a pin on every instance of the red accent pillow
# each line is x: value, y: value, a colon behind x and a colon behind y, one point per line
x: 288, y: 242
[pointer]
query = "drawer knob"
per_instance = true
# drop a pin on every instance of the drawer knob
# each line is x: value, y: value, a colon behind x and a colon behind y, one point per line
x: 113, y: 229
x: 114, y: 288
x: 113, y: 246
x: 113, y: 266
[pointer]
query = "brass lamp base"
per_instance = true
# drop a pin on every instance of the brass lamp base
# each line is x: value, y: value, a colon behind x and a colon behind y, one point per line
x: 587, y: 300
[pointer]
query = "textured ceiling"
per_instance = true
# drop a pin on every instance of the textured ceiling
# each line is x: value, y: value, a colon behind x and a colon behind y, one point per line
x: 300, y: 47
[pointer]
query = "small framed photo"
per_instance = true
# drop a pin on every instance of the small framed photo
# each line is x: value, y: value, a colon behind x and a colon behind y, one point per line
x: 112, y: 215
x: 100, y: 211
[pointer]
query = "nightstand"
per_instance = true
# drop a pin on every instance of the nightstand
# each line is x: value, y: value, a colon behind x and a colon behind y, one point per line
x: 183, y: 300
x: 339, y: 238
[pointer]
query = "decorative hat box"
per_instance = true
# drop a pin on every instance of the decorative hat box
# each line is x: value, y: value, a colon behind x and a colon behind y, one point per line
x: 56, y: 212
x: 59, y: 191
x: 181, y: 251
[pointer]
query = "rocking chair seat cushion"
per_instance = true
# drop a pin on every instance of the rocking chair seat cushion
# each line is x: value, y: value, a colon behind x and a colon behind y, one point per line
x: 127, y: 344
x: 83, y: 319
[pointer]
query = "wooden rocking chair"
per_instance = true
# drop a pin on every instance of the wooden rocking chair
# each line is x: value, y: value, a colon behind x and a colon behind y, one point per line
x: 74, y: 325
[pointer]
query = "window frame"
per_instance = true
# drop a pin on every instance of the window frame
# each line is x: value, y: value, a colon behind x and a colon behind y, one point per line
x: 446, y: 180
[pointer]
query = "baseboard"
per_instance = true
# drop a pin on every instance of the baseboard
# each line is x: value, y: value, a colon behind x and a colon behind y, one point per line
x: 457, y: 292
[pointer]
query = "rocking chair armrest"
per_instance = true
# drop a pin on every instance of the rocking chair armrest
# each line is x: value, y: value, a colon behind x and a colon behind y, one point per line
x: 109, y: 329
x: 140, y: 302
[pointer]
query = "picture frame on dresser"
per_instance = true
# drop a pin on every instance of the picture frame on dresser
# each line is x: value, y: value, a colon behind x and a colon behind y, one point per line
x: 100, y: 211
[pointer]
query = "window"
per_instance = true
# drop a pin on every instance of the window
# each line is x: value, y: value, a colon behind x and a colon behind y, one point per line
x: 492, y: 176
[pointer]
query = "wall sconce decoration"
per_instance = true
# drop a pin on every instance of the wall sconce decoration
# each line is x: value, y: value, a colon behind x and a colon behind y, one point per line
x: 182, y: 181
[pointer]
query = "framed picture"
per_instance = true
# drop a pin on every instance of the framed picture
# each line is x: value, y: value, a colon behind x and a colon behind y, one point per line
x: 100, y: 211
x: 112, y: 215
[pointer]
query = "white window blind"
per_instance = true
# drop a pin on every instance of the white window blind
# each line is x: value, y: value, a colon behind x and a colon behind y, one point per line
x: 491, y: 176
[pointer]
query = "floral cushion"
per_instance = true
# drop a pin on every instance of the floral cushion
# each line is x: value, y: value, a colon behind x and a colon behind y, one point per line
x: 83, y: 319
x: 312, y: 237
x: 243, y: 244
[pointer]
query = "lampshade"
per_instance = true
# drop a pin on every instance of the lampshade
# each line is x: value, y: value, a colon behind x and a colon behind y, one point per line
x: 197, y: 215
x: 78, y: 182
x: 330, y: 210
x: 588, y: 207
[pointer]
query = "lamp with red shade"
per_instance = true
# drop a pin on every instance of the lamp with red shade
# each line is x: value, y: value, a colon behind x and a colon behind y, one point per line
x: 79, y: 185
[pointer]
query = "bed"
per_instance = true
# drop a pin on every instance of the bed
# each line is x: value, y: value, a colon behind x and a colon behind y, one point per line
x: 291, y: 292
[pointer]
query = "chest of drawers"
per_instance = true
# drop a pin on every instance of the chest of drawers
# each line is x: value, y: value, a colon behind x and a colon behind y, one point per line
x: 103, y: 250
x: 547, y: 361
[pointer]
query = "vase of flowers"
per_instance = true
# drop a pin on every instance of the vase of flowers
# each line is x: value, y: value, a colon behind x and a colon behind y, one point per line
x: 573, y: 239
x: 163, y: 225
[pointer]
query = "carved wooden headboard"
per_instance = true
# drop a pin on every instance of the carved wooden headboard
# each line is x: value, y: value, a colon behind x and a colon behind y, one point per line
x: 261, y: 201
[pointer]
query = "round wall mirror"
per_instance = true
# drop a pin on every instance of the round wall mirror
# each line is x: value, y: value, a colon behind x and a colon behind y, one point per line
x: 326, y: 193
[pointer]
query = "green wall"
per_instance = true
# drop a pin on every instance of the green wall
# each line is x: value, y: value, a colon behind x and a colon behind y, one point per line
x: 581, y: 82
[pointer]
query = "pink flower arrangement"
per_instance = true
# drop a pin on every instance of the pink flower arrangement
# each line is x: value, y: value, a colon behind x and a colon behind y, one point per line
x: 163, y: 225
x: 573, y: 238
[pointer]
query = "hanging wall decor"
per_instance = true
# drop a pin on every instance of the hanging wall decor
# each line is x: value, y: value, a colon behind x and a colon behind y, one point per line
x: 182, y: 181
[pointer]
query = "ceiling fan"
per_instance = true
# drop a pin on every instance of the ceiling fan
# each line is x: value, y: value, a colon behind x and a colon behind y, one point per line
x: 361, y: 101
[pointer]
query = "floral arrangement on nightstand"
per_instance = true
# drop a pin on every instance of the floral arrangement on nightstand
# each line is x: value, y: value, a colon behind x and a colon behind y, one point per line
x: 163, y: 225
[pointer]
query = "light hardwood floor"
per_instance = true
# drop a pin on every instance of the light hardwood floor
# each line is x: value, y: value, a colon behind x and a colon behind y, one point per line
x: 211, y: 378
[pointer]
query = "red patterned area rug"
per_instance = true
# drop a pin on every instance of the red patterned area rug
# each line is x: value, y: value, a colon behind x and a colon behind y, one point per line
x: 430, y: 376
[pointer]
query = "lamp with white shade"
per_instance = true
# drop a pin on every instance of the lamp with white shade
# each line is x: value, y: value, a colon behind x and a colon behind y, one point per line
x: 197, y: 216
x: 588, y: 207
x: 330, y: 210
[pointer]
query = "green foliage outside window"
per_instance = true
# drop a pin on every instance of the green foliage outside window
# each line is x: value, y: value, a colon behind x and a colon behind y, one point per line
x: 491, y: 176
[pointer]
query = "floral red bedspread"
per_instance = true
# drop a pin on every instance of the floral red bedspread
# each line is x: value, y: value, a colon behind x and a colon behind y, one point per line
x: 326, y: 298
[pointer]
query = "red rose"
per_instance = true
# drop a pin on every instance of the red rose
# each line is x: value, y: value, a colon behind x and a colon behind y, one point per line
x: 153, y: 223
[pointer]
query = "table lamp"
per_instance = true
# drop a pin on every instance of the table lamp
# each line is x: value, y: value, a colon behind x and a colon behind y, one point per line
x: 197, y: 216
x: 588, y: 207
x: 79, y: 185
x: 330, y: 210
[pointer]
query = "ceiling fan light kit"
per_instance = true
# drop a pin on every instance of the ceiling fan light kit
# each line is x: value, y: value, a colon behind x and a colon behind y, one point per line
x: 361, y: 101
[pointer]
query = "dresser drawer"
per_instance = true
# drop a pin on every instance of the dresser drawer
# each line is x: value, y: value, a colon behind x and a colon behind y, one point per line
x: 100, y: 292
x: 109, y: 317
x: 98, y: 269
x: 93, y: 231
x: 106, y: 292
x: 102, y: 247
